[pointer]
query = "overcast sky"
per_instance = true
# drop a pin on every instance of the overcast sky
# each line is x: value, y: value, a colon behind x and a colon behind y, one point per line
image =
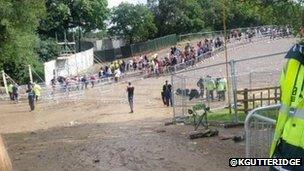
x: 114, y: 3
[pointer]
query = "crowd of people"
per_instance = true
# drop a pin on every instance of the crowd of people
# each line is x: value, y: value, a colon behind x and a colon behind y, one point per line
x: 155, y: 65
x: 211, y: 85
x: 33, y: 91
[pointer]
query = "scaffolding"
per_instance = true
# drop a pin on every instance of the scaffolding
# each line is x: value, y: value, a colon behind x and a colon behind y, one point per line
x: 5, y: 80
x: 67, y: 50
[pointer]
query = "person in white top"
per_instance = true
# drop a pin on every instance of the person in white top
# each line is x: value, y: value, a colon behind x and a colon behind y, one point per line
x: 117, y: 74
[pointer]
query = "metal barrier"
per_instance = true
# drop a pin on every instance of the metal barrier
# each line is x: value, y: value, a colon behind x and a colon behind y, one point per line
x: 259, y: 128
x: 233, y: 45
x: 241, y: 76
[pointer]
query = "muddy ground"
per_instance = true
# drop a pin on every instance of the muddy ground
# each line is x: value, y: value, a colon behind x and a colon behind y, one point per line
x: 99, y: 133
x: 135, y: 145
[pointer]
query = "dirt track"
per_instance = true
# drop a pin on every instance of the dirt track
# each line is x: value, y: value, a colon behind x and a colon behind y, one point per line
x: 99, y: 134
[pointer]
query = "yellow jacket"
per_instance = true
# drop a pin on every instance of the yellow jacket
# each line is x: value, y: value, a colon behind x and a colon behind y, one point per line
x: 37, y: 89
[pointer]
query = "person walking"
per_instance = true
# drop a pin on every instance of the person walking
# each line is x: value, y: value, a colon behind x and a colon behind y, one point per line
x: 130, y: 91
x: 10, y: 91
x: 37, y: 90
x: 117, y: 74
x: 15, y: 93
x: 163, y: 95
x: 201, y: 86
x: 288, y: 138
x: 210, y: 86
x: 31, y: 96
x: 167, y: 88
x: 221, y: 89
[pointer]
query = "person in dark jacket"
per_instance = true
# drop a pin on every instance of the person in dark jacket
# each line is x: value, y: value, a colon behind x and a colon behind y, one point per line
x: 15, y: 93
x: 168, y: 93
x: 31, y: 96
x: 130, y: 91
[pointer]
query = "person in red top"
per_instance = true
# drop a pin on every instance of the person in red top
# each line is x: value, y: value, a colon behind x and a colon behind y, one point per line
x: 130, y: 90
x: 93, y: 79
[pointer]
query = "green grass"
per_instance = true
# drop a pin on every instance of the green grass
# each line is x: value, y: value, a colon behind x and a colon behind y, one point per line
x: 223, y: 115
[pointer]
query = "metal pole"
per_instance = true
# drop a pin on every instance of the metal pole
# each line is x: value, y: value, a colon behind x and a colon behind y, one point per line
x: 79, y: 37
x: 250, y: 81
x: 226, y: 55
x: 183, y: 97
x: 234, y: 89
x: 173, y: 98
x: 30, y: 73
x: 4, y: 81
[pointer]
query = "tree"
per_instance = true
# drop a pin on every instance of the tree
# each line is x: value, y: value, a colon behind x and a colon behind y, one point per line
x: 47, y: 50
x: 133, y: 22
x: 179, y: 16
x: 63, y: 15
x: 18, y: 23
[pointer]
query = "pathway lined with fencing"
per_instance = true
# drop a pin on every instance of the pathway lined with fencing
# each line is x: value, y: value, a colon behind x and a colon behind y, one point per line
x: 256, y: 65
x: 74, y: 93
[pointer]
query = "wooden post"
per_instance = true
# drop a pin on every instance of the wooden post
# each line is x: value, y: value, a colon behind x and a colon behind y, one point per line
x: 268, y: 96
x: 261, y: 99
x: 276, y: 95
x: 4, y: 81
x: 246, y: 100
x: 253, y: 101
x: 30, y: 73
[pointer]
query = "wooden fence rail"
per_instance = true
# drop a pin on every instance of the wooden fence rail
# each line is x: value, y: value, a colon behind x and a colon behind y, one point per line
x: 252, y: 98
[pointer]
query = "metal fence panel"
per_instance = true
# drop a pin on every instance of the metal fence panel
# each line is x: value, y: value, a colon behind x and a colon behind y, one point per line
x: 244, y: 72
x: 186, y: 90
x: 126, y: 51
x: 153, y: 45
x: 259, y: 71
x: 259, y: 129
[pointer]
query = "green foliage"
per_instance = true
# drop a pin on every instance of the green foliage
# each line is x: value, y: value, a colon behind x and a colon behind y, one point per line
x: 185, y: 16
x: 132, y: 22
x: 18, y: 23
x: 21, y: 20
x: 179, y: 16
x: 63, y: 15
x: 199, y: 106
x: 48, y: 50
x: 97, y: 35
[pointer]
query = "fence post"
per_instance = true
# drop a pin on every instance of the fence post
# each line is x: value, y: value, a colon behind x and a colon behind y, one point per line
x: 131, y: 50
x: 173, y: 95
x: 253, y: 101
x: 30, y: 73
x: 4, y: 81
x: 276, y: 95
x: 246, y: 100
x: 268, y: 96
x: 250, y: 80
x: 234, y: 89
x: 184, y: 103
x: 261, y: 99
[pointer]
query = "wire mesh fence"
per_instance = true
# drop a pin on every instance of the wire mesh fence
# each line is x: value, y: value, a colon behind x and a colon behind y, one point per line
x: 189, y: 88
x: 259, y: 128
x: 259, y: 71
x: 171, y: 40
x: 243, y: 73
